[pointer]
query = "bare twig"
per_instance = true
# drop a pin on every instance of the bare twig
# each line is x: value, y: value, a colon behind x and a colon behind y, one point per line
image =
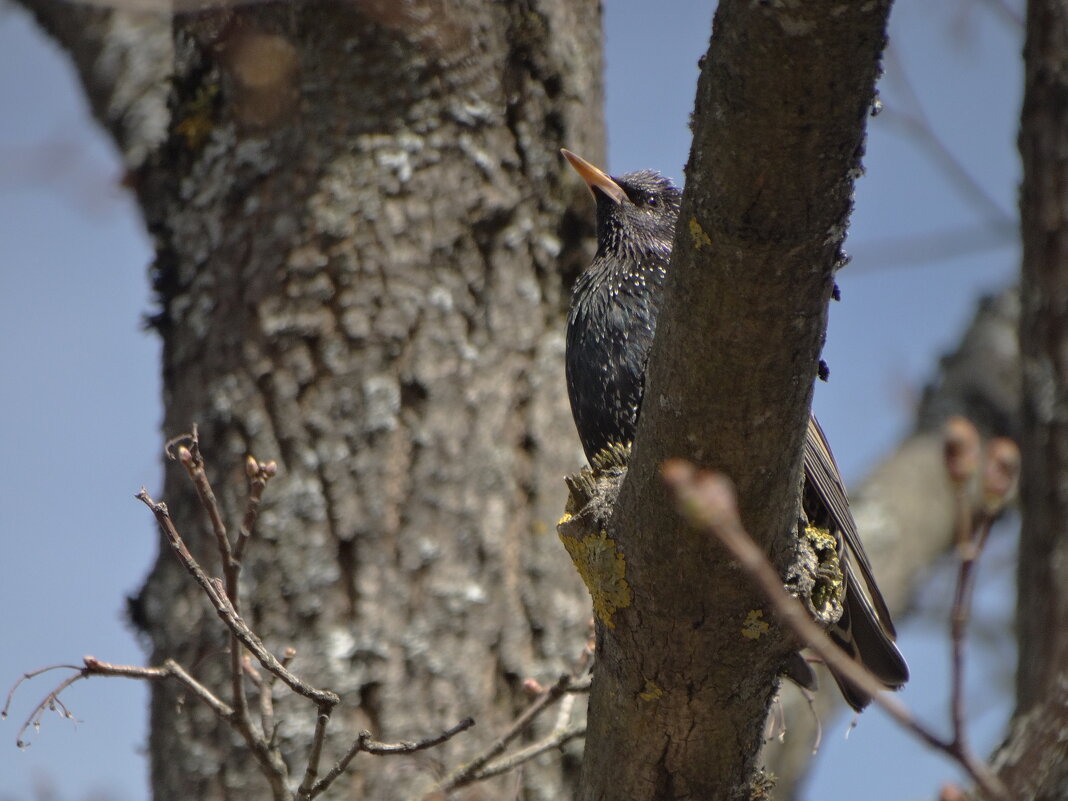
x: 314, y: 755
x: 962, y: 603
x: 563, y: 691
x: 1000, y: 470
x: 169, y: 670
x: 228, y: 614
x: 224, y: 598
x: 94, y: 667
x: 365, y: 743
x: 708, y: 501
x: 242, y: 719
x: 259, y: 473
x: 557, y: 739
x: 519, y: 725
x: 960, y: 453
x: 410, y: 746
x: 193, y: 461
x: 26, y: 677
x: 266, y: 688
x: 468, y: 773
x: 49, y: 702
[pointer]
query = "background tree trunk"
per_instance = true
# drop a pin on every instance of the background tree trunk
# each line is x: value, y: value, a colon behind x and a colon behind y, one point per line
x: 364, y: 250
x: 1033, y: 760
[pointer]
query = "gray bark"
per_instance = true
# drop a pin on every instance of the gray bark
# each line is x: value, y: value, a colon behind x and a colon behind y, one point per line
x: 364, y: 246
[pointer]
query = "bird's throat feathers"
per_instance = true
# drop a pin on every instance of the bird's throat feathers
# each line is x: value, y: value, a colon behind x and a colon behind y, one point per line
x: 641, y: 228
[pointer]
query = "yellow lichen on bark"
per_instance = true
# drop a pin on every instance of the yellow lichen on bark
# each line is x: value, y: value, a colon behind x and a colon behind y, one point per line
x: 700, y: 238
x: 652, y: 691
x: 755, y: 626
x: 603, y: 570
x: 830, y: 584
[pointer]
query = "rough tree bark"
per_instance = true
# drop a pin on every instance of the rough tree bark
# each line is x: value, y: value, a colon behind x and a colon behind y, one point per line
x: 1034, y: 759
x: 731, y: 375
x: 364, y: 248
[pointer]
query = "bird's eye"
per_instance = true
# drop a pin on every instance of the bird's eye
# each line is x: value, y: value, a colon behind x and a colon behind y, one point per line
x: 652, y: 202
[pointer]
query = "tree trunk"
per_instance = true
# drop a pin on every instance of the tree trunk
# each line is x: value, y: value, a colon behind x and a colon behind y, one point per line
x: 364, y: 250
x: 1033, y: 761
x: 779, y: 127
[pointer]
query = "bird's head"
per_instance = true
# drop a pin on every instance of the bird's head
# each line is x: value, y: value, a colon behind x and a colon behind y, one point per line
x: 636, y: 212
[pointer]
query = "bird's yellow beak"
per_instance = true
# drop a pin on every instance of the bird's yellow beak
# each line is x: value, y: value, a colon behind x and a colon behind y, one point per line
x: 594, y: 177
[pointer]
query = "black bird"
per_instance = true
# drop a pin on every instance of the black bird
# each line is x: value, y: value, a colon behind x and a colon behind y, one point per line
x: 614, y: 308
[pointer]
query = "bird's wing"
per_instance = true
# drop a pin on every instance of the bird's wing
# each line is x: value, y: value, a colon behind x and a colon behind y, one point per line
x: 822, y: 473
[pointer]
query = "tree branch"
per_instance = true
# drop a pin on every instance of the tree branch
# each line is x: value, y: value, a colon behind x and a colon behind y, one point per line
x: 226, y: 611
x: 779, y: 123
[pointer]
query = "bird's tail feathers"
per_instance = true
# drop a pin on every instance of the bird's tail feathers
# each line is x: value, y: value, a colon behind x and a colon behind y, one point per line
x: 860, y: 635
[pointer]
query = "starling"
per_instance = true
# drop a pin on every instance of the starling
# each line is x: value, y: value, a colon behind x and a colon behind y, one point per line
x: 610, y: 326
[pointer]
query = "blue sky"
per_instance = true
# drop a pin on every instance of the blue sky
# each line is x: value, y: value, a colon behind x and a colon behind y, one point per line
x: 79, y: 398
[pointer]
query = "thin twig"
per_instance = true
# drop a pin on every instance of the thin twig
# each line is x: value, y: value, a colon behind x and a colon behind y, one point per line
x: 26, y: 677
x: 266, y: 688
x: 170, y: 669
x: 557, y: 739
x: 274, y: 768
x: 50, y: 701
x: 411, y: 746
x: 223, y: 595
x: 519, y: 725
x: 958, y: 619
x: 193, y: 461
x: 465, y: 774
x: 365, y: 743
x: 998, y: 478
x: 242, y: 719
x: 708, y: 501
x: 259, y: 473
x: 563, y: 690
x: 314, y: 755
x: 94, y: 667
x: 226, y: 611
